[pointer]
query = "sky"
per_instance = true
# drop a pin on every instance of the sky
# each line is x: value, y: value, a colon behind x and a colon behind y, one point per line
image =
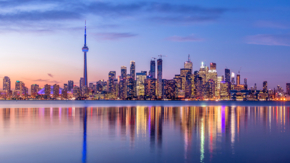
x: 41, y: 41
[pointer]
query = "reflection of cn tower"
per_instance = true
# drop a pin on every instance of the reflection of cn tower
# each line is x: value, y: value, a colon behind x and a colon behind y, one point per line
x: 85, y: 49
x: 84, y: 157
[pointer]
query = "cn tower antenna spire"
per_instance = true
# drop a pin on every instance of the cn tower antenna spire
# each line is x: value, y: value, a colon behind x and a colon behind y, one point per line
x: 85, y: 32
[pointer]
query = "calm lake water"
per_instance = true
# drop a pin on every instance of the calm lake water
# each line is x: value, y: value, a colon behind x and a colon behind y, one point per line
x: 144, y: 131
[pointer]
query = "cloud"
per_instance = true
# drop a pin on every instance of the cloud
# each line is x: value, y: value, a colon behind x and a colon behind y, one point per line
x: 269, y: 39
x: 271, y: 24
x: 190, y: 38
x: 114, y: 36
x: 46, y: 80
x: 26, y: 14
x: 50, y: 75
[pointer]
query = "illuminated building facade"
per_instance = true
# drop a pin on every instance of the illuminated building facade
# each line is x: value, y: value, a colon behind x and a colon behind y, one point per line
x: 178, y: 88
x: 159, y: 78
x: 150, y: 88
x: 70, y: 85
x: 130, y: 87
x: 288, y: 88
x: 188, y: 63
x: 246, y: 83
x: 140, y: 82
x: 111, y: 83
x: 152, y: 69
x: 6, y: 84
x: 238, y: 79
x: 34, y: 90
x: 168, y: 89
x: 265, y: 87
x: 227, y: 75
x: 132, y: 69
x: 225, y: 91
x: 55, y: 91
x: 202, y: 73
x: 47, y: 90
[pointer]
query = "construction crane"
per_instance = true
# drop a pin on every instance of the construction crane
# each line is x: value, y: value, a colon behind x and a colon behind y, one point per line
x: 162, y: 56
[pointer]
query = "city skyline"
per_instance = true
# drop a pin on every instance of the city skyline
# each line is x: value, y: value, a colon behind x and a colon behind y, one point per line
x: 50, y: 53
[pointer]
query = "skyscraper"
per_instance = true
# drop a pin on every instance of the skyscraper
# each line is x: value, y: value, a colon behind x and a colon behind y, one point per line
x: 152, y: 68
x: 188, y: 63
x: 111, y: 84
x: 212, y: 66
x: 245, y: 83
x: 47, y: 90
x: 82, y: 83
x: 202, y: 73
x: 70, y: 85
x: 132, y: 69
x: 227, y: 75
x: 85, y: 49
x: 288, y: 88
x: 6, y: 84
x: 238, y: 79
x: 265, y: 86
x: 140, y: 84
x: 159, y: 78
x: 55, y: 91
x: 233, y: 78
x: 34, y: 90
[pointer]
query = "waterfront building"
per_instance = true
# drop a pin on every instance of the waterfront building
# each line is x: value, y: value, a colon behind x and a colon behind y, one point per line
x: 82, y: 83
x: 159, y: 78
x: 130, y: 87
x: 238, y: 80
x: 111, y: 82
x: 233, y: 79
x: 47, y: 90
x: 212, y: 75
x: 70, y: 85
x: 55, y: 91
x: 152, y: 68
x: 227, y: 75
x: 198, y: 87
x: 178, y: 89
x: 140, y: 87
x: 184, y: 72
x: 6, y: 84
x: 150, y: 89
x: 202, y: 73
x: 265, y: 87
x: 34, y: 90
x: 188, y: 63
x: 76, y: 91
x: 219, y: 80
x: 245, y: 83
x: 225, y: 91
x: 132, y: 69
x: 168, y: 89
x: 288, y: 88
x: 209, y: 89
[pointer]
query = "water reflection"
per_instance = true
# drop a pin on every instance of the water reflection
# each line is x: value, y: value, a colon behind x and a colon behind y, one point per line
x: 208, y: 130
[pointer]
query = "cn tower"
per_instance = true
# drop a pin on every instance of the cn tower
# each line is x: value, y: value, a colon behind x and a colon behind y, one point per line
x: 85, y: 49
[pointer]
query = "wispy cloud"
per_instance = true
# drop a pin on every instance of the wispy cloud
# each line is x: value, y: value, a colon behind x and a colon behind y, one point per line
x: 272, y: 24
x: 50, y: 75
x: 22, y: 14
x: 46, y: 81
x: 190, y: 38
x: 269, y: 39
x: 114, y: 36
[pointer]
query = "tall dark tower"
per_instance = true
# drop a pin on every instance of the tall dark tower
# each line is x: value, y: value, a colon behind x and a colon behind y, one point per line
x: 159, y: 77
x: 85, y: 50
x: 152, y: 68
x: 228, y: 75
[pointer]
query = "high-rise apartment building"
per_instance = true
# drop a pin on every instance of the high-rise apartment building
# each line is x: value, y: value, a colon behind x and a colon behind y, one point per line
x: 6, y: 84
x: 70, y: 85
x: 34, y: 90
x: 140, y: 84
x: 265, y: 86
x: 227, y: 75
x: 132, y: 70
x: 55, y: 91
x: 152, y: 69
x: 47, y: 90
x: 238, y: 79
x: 288, y: 88
x: 150, y: 88
x: 202, y: 72
x: 159, y: 78
x: 168, y: 89
x: 188, y: 63
x: 111, y: 83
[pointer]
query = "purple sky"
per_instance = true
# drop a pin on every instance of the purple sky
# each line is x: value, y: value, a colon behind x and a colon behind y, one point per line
x: 41, y: 41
